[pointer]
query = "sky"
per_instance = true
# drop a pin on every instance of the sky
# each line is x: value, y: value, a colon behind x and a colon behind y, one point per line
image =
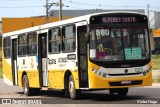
x: 28, y: 8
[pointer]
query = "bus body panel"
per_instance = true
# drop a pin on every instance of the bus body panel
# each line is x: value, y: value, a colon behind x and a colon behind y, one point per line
x: 58, y: 64
x: 29, y: 66
x: 57, y: 82
x: 98, y: 82
x: 54, y: 82
x: 33, y: 77
x: 7, y: 71
x: 20, y: 78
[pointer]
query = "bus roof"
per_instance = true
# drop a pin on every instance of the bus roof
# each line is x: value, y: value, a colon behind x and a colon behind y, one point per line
x: 63, y: 22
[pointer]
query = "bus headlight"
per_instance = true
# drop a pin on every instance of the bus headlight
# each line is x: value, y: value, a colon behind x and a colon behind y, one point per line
x: 93, y: 70
x: 147, y: 71
x: 144, y: 73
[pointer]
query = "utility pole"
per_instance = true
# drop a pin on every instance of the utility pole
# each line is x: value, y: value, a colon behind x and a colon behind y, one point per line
x: 148, y: 6
x: 60, y: 9
x: 49, y: 5
x: 148, y: 13
x: 47, y: 16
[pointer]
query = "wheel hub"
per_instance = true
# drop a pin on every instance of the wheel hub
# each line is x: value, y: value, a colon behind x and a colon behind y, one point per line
x: 71, y: 88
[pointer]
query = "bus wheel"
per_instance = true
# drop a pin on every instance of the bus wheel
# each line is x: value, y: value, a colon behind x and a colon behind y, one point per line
x: 27, y: 91
x: 122, y: 91
x: 73, y: 92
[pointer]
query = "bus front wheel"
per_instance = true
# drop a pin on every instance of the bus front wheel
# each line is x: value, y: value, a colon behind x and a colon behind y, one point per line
x: 73, y: 92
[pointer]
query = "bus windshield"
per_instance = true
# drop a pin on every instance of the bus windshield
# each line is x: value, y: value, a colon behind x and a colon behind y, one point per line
x: 119, y: 44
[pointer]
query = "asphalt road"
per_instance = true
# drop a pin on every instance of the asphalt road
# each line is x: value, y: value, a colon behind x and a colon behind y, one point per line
x: 135, y: 95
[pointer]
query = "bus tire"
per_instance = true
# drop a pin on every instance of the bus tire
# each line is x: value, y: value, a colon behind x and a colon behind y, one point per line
x: 122, y: 91
x: 65, y: 92
x: 73, y: 92
x: 26, y: 89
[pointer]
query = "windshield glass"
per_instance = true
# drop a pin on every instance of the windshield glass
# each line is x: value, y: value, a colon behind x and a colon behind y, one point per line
x: 119, y: 44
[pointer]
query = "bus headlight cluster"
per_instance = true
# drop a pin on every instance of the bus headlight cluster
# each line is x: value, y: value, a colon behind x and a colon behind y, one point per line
x: 99, y: 73
x: 93, y: 70
x: 147, y: 71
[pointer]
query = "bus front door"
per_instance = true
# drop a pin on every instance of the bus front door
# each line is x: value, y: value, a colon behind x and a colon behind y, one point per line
x: 42, y: 59
x: 14, y: 62
x: 82, y: 56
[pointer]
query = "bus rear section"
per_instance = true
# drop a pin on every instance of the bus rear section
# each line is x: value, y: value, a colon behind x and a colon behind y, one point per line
x: 8, y: 74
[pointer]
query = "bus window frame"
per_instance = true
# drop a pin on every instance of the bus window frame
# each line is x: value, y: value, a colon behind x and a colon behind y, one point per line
x: 19, y: 35
x: 8, y: 47
x: 49, y: 40
x: 63, y: 32
x: 32, y: 43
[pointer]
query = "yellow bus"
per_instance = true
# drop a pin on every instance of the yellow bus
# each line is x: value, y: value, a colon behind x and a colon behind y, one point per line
x: 109, y: 50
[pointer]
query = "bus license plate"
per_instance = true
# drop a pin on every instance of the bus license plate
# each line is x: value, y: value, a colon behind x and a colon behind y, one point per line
x: 125, y: 82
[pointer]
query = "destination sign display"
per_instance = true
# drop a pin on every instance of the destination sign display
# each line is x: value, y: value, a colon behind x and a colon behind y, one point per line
x: 118, y: 19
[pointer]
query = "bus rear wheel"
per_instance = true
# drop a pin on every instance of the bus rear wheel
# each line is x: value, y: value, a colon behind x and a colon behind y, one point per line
x: 26, y: 89
x: 122, y: 91
x: 73, y: 92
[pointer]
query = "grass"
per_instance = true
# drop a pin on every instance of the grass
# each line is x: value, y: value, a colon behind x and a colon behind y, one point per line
x: 155, y: 62
x: 158, y: 79
x: 156, y: 66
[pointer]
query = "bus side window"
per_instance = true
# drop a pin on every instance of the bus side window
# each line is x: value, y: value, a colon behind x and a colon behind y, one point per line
x: 32, y: 43
x: 54, y: 40
x: 68, y: 38
x: 22, y: 44
x: 7, y: 47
